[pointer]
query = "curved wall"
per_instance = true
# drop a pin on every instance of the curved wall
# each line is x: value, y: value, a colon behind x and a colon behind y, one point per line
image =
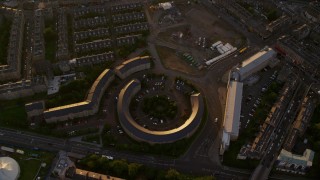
x: 142, y: 134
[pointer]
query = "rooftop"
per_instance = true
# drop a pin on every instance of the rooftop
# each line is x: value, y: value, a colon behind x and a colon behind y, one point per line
x: 304, y: 160
x: 39, y: 105
x: 233, y: 107
x: 143, y: 134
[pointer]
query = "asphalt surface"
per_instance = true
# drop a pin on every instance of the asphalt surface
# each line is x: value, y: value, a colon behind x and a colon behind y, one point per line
x: 14, y: 138
x: 202, y: 156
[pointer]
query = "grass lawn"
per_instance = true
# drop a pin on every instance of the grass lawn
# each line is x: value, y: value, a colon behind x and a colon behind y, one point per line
x: 315, y: 169
x: 76, y: 91
x: 50, y: 38
x: 230, y: 156
x: 30, y: 166
x: 15, y: 116
x: 50, y: 50
x: 92, y: 138
x: 4, y: 39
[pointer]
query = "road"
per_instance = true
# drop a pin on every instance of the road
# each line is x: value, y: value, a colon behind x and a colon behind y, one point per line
x: 202, y: 156
x: 28, y: 140
x: 208, y: 85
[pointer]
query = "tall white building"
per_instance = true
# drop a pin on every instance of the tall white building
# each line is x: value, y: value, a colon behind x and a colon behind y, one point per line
x: 231, y: 121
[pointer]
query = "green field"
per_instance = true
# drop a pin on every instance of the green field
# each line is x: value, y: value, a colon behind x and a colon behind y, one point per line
x: 50, y: 38
x: 30, y: 166
x: 13, y: 117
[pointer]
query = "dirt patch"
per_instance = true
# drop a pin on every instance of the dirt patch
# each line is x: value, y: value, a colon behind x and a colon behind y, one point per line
x: 170, y: 60
x: 195, y: 35
x: 210, y: 25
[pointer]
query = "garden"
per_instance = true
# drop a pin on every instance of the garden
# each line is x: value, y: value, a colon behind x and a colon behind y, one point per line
x: 160, y: 107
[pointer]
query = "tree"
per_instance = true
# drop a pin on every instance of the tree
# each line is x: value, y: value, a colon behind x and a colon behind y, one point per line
x: 205, y: 178
x: 272, y: 15
x: 120, y: 167
x: 91, y: 164
x: 133, y: 170
x: 173, y: 174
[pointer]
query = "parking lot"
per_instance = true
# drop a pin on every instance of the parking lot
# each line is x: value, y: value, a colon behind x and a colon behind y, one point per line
x: 251, y: 98
x: 159, y: 85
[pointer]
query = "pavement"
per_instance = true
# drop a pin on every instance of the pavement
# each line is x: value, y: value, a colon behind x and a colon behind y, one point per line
x: 202, y: 156
x: 29, y: 140
x: 205, y: 148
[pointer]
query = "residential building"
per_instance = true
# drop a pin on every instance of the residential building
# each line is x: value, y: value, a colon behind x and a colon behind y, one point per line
x: 23, y: 88
x: 35, y: 108
x: 38, y: 38
x: 89, y: 106
x: 295, y: 163
x: 12, y: 70
x: 133, y: 65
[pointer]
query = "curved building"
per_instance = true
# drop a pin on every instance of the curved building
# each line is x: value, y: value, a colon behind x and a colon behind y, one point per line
x: 132, y: 66
x: 140, y: 133
x: 9, y: 168
x: 87, y: 107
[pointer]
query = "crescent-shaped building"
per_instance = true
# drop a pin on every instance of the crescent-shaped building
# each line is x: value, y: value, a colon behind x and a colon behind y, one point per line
x: 140, y: 133
x: 87, y: 107
x: 133, y: 65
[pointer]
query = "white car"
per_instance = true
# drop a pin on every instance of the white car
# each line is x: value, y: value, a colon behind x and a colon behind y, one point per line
x: 108, y: 157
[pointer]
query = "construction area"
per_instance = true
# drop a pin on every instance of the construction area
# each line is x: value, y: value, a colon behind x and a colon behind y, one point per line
x: 193, y: 37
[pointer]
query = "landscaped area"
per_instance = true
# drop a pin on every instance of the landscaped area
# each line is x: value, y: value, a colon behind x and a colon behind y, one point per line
x: 4, y: 39
x: 160, y: 107
x: 50, y: 39
x: 91, y: 138
x: 76, y: 90
x: 124, y: 169
x: 13, y: 116
x: 29, y: 164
